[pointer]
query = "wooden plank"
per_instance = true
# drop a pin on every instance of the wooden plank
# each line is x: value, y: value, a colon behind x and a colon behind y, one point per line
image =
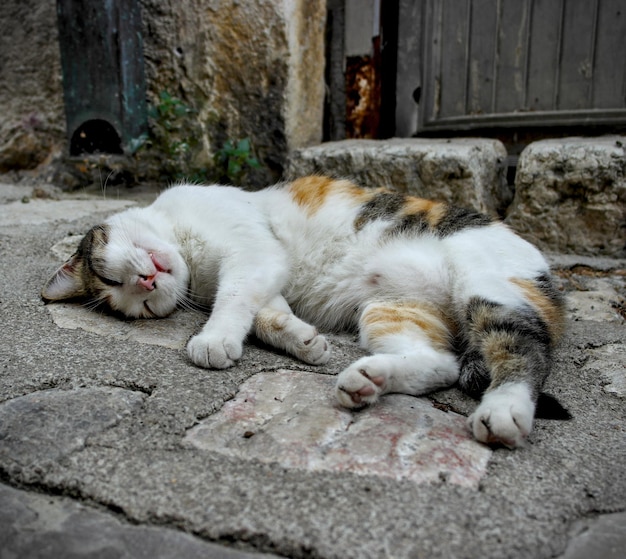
x: 512, y: 51
x: 453, y: 44
x: 409, y: 85
x: 543, y: 55
x: 482, y: 56
x: 577, y: 55
x: 610, y: 56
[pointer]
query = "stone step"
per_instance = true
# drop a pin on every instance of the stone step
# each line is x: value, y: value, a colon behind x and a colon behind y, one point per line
x: 466, y: 171
x: 569, y: 194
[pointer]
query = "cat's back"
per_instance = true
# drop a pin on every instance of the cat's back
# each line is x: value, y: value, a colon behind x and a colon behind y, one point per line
x: 188, y: 201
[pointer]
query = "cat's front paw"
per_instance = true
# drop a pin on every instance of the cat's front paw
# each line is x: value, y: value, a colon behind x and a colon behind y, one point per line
x: 358, y: 386
x: 505, y: 416
x: 214, y: 351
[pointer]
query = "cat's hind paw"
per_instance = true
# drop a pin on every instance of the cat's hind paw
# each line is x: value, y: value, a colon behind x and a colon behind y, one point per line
x: 505, y: 416
x: 214, y: 352
x: 315, y: 350
x: 357, y: 386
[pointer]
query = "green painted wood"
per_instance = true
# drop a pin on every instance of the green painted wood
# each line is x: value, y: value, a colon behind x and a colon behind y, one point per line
x: 103, y: 75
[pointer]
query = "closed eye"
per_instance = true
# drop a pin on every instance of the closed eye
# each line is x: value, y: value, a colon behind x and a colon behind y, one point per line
x: 108, y: 281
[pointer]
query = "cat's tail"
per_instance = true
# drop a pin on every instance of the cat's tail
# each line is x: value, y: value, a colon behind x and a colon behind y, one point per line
x: 474, y: 380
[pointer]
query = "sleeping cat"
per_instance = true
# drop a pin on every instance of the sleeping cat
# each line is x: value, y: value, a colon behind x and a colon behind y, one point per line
x: 438, y: 294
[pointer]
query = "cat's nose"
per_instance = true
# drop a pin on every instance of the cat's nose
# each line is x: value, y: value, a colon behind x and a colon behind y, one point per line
x: 147, y: 282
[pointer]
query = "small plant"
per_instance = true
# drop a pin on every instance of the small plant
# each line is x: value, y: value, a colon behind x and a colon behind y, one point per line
x: 233, y: 160
x: 170, y: 126
x: 175, y: 134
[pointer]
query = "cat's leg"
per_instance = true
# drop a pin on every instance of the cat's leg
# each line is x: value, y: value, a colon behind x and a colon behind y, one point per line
x: 276, y: 325
x: 412, y: 354
x: 507, y: 355
x: 248, y: 281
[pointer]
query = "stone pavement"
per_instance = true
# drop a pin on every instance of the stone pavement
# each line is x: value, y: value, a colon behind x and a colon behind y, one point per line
x: 113, y: 445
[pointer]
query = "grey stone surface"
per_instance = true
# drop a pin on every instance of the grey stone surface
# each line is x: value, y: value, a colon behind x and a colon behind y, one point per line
x: 603, y: 537
x: 465, y: 171
x: 47, y: 425
x: 570, y: 195
x: 34, y: 526
x: 101, y: 420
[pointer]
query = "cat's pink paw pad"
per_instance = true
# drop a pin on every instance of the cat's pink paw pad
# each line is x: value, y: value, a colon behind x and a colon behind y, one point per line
x: 356, y: 387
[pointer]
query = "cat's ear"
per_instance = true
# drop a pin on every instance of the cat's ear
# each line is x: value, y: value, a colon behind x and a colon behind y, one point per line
x: 66, y: 283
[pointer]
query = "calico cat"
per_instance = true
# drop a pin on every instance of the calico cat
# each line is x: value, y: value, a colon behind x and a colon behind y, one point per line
x: 438, y: 294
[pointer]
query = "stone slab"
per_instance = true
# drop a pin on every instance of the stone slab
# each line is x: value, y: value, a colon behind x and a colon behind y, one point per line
x: 172, y: 332
x: 610, y: 361
x: 464, y: 171
x: 599, y: 306
x: 50, y: 424
x: 38, y: 211
x: 570, y: 195
x: 292, y: 418
x: 34, y: 526
x: 602, y: 537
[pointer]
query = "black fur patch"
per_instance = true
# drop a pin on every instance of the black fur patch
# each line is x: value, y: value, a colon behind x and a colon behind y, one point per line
x: 384, y: 205
x: 456, y: 219
x: 388, y: 206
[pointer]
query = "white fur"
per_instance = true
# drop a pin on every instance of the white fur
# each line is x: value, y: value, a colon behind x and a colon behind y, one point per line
x: 505, y: 415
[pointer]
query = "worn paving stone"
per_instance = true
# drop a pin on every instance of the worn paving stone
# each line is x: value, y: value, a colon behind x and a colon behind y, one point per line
x: 46, y: 425
x: 291, y: 417
x: 44, y: 211
x: 603, y: 537
x: 597, y: 305
x: 610, y: 360
x: 171, y: 332
x: 36, y: 526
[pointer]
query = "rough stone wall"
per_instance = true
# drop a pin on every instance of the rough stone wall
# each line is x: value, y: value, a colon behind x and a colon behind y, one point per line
x: 32, y: 122
x: 251, y: 68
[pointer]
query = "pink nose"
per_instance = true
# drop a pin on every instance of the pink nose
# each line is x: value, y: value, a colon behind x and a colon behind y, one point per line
x: 147, y: 282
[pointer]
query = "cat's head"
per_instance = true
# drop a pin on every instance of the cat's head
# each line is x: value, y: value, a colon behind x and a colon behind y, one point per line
x: 126, y: 266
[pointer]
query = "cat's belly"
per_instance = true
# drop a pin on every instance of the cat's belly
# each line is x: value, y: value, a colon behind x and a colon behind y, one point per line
x: 330, y: 290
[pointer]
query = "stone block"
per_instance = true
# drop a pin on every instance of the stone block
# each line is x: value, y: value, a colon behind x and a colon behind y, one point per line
x: 468, y: 172
x: 570, y: 195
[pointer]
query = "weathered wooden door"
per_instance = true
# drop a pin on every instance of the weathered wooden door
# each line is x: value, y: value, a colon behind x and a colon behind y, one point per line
x: 490, y: 65
x: 504, y: 63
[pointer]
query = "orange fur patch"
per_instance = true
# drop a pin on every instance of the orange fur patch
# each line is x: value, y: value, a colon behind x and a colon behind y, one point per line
x: 311, y: 192
x: 550, y: 311
x: 388, y: 319
x: 434, y: 211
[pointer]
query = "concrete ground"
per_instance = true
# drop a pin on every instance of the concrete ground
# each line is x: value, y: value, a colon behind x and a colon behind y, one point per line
x: 113, y: 445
